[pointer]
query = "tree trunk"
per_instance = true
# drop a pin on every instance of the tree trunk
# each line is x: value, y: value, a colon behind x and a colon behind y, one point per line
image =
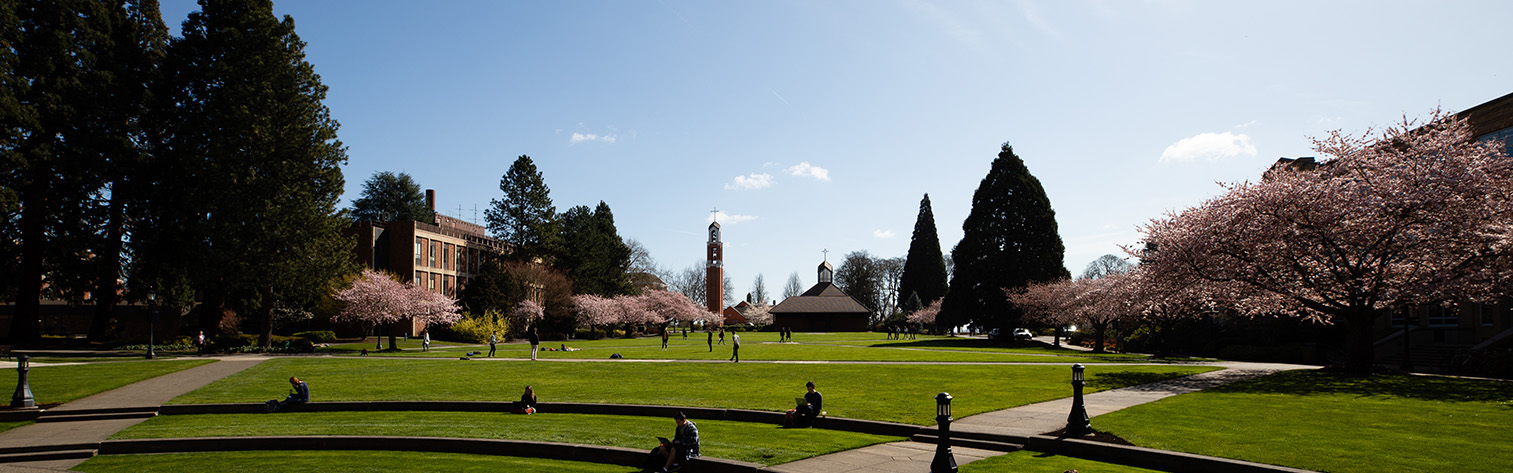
x: 26, y: 321
x: 1056, y: 339
x: 1362, y: 342
x: 1098, y: 331
x: 393, y: 338
x: 110, y: 272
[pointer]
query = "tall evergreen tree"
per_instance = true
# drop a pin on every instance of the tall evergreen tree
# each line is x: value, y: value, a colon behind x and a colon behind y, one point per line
x: 74, y: 74
x: 924, y: 275
x: 1009, y: 240
x: 388, y: 196
x: 260, y: 161
x: 524, y: 217
x: 591, y: 252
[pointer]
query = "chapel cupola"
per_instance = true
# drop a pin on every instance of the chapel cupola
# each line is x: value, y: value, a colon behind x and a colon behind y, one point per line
x: 827, y: 272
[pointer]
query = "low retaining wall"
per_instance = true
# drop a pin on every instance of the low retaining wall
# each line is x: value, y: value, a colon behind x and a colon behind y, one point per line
x: 511, y: 448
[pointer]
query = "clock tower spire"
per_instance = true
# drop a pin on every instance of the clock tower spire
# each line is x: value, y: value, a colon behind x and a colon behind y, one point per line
x: 714, y: 282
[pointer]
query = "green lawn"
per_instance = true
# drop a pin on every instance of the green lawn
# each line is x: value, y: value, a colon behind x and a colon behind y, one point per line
x: 1025, y: 461
x: 1328, y: 422
x: 756, y: 443
x: 897, y: 393
x: 59, y: 384
x: 334, y: 461
x: 762, y: 346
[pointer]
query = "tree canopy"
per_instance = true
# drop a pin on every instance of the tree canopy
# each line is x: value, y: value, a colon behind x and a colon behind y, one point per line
x: 1009, y: 240
x: 387, y: 196
x: 524, y: 216
x: 924, y: 266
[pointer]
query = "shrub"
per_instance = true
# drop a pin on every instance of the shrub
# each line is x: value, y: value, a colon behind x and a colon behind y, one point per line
x: 476, y: 328
x: 318, y: 336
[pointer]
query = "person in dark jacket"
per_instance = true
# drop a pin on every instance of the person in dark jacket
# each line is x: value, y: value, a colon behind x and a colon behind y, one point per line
x: 298, y: 394
x: 684, y: 446
x: 814, y: 404
x: 535, y: 343
x: 527, y: 403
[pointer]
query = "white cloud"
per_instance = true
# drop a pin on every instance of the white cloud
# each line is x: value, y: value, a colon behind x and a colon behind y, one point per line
x: 726, y: 218
x: 751, y: 181
x: 579, y: 137
x: 810, y: 170
x: 1209, y: 146
x: 882, y: 233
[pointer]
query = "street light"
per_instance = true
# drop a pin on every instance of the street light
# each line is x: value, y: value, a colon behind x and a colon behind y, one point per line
x: 945, y: 461
x: 152, y: 323
x: 23, y: 397
x: 1077, y: 424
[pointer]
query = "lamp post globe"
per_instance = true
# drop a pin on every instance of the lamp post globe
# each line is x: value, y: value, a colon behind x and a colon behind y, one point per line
x: 945, y: 460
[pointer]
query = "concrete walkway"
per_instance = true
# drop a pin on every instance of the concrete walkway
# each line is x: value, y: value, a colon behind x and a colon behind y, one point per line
x: 149, y: 393
x: 1033, y: 419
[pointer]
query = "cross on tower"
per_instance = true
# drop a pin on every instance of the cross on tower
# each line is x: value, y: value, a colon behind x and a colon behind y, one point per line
x: 715, y: 214
x: 827, y: 254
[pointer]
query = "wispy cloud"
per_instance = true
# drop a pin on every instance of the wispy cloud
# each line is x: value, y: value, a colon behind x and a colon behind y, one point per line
x: 581, y: 137
x: 751, y: 181
x: 810, y: 170
x: 725, y: 218
x: 882, y: 233
x: 1208, y: 146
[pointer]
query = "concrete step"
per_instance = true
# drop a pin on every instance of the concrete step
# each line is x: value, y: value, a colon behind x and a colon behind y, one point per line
x: 970, y: 443
x: 79, y: 416
x: 46, y: 456
x: 48, y: 448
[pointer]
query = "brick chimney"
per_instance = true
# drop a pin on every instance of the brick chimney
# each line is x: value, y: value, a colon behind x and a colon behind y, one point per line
x: 431, y: 200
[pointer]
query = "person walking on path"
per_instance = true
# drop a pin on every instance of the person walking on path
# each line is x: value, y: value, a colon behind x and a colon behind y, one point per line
x: 664, y: 338
x: 722, y: 335
x: 535, y: 343
x: 493, y: 340
x: 735, y: 347
x: 711, y: 341
x: 425, y: 341
x: 199, y: 343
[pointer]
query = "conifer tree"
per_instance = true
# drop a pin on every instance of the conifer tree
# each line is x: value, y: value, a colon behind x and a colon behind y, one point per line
x: 259, y: 162
x: 524, y: 217
x: 924, y: 277
x: 591, y: 252
x: 1009, y: 240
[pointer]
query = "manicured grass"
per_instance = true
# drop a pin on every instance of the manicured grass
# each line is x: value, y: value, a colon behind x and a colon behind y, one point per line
x: 1329, y: 422
x: 403, y: 344
x: 334, y: 461
x: 1025, y: 461
x: 59, y: 384
x: 762, y: 346
x: 756, y: 443
x: 897, y: 393
x: 4, y: 426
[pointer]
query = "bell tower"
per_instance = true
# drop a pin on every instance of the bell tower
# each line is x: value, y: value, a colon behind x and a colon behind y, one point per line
x: 714, y: 282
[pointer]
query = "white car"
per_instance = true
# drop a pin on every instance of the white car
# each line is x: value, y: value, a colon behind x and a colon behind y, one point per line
x: 1023, y: 334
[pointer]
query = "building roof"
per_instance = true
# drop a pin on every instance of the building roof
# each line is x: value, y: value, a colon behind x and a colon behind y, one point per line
x: 822, y: 298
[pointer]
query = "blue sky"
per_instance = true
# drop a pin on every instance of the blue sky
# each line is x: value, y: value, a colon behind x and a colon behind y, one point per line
x: 817, y: 125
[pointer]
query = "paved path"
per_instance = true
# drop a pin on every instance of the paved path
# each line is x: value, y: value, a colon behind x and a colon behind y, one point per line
x: 147, y: 393
x: 1033, y: 419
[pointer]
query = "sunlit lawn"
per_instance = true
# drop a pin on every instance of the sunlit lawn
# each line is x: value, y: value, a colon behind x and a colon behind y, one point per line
x: 757, y: 443
x: 334, y: 461
x: 763, y: 346
x: 1328, y: 422
x: 59, y: 384
x: 887, y: 392
x: 1025, y: 461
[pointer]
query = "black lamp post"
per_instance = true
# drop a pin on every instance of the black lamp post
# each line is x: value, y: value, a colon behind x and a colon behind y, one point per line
x: 23, y: 397
x: 1077, y: 424
x: 152, y: 323
x: 944, y: 461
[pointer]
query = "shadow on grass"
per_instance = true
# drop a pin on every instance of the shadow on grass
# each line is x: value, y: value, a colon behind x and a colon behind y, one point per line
x: 1120, y: 379
x: 1428, y: 388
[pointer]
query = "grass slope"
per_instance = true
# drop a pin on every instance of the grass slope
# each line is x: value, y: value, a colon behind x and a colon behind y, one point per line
x: 335, y: 461
x: 1025, y: 461
x: 896, y: 393
x: 1328, y: 422
x: 756, y: 443
x: 60, y: 384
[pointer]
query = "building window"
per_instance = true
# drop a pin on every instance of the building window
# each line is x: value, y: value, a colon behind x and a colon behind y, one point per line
x: 431, y: 255
x: 420, y: 251
x: 446, y: 256
x: 432, y: 284
x: 1395, y: 319
x: 458, y: 260
x: 1440, y: 316
x: 447, y: 287
x: 420, y: 278
x: 1483, y: 314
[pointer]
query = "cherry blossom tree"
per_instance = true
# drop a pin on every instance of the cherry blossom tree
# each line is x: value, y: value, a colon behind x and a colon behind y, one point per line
x: 375, y: 299
x: 676, y: 306
x: 527, y: 313
x: 1415, y: 215
x: 926, y: 315
x: 1087, y: 303
x: 595, y: 311
x: 759, y: 314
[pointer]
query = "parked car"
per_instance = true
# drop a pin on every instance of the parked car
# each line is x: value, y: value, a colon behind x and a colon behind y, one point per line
x: 993, y: 334
x: 1023, y: 334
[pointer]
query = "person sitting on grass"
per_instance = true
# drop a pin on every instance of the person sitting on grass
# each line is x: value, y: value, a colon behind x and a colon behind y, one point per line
x: 803, y: 415
x: 684, y: 445
x: 527, y: 402
x: 299, y: 394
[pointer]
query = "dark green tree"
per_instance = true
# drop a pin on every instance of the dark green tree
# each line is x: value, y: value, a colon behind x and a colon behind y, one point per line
x: 259, y: 159
x: 860, y: 277
x: 74, y: 82
x: 924, y: 275
x: 524, y: 217
x: 1008, y: 241
x: 388, y: 197
x: 591, y: 252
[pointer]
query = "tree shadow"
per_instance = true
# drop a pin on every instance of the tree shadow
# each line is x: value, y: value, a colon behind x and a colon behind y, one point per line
x: 1123, y: 379
x: 1427, y: 388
